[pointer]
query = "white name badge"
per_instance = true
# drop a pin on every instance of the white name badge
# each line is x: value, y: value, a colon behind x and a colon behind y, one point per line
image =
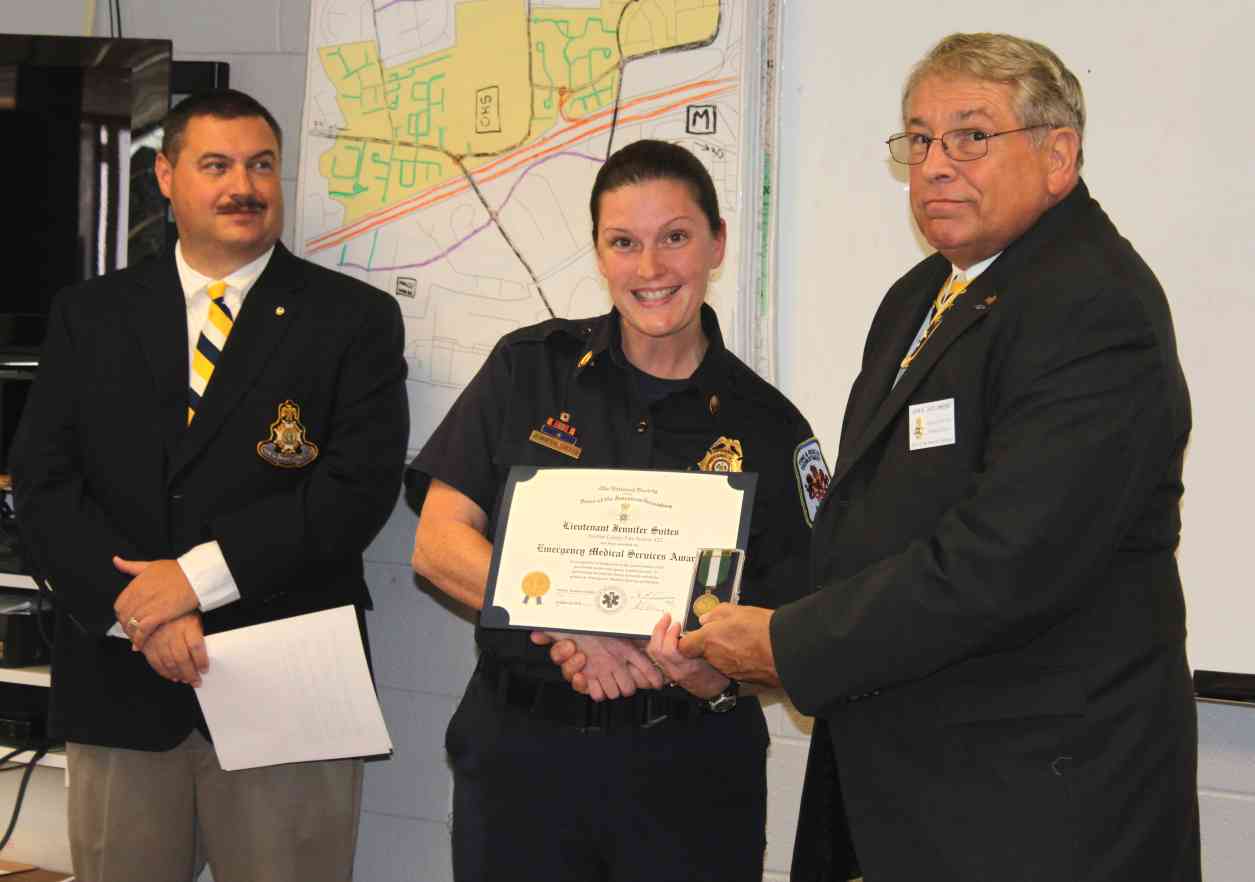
x: 930, y: 424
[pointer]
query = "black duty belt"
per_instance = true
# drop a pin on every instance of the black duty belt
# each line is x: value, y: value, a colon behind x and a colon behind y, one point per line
x: 557, y: 702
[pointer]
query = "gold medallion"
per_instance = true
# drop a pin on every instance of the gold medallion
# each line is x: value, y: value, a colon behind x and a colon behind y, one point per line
x: 723, y: 456
x: 535, y: 585
x: 704, y: 604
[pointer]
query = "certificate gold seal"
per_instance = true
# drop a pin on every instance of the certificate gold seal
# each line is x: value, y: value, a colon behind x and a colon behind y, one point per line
x: 535, y: 585
x: 704, y: 604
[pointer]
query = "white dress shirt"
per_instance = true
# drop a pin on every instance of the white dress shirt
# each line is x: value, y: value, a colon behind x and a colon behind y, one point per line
x: 969, y: 275
x: 204, y: 565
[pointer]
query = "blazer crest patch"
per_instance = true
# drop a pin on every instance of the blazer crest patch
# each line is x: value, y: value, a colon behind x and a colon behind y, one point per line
x: 812, y: 477
x: 287, y: 447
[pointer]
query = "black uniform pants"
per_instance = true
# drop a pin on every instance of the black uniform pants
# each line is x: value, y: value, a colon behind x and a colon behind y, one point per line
x: 678, y: 801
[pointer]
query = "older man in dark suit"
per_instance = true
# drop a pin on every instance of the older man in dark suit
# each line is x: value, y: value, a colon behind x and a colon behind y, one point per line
x: 213, y: 439
x: 995, y: 646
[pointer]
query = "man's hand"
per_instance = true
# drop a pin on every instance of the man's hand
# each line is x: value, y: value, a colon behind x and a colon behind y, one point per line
x: 176, y: 650
x: 158, y: 594
x: 600, y: 667
x: 737, y: 641
x: 695, y: 675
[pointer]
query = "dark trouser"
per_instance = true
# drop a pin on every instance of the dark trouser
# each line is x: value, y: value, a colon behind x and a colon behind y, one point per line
x: 533, y: 798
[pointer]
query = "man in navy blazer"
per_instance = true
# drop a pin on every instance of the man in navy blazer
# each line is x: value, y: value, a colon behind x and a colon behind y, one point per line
x: 994, y: 649
x: 166, y: 500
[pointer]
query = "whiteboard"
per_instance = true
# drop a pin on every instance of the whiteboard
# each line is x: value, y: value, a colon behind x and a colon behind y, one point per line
x: 1170, y: 155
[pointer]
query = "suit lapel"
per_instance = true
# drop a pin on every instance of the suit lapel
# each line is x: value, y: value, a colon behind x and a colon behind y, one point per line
x: 891, y: 347
x: 269, y: 310
x: 158, y: 313
x: 972, y: 306
x: 873, y: 406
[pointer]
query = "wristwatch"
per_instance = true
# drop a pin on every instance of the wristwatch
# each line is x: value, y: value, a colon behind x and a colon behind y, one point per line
x: 725, y: 700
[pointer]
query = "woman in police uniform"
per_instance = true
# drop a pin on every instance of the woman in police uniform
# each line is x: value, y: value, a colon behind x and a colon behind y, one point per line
x: 548, y: 782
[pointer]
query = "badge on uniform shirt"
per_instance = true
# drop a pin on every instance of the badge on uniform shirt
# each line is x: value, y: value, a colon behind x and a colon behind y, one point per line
x: 723, y: 456
x: 288, y: 448
x: 558, y: 434
x: 812, y: 476
x: 930, y: 424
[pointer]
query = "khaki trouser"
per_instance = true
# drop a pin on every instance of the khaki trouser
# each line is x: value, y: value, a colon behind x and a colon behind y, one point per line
x: 158, y: 816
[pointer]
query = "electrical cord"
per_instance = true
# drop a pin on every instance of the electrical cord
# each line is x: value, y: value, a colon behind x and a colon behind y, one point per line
x: 21, y: 789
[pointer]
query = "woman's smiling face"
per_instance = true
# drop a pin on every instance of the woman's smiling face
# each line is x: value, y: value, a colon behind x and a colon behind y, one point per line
x: 656, y: 251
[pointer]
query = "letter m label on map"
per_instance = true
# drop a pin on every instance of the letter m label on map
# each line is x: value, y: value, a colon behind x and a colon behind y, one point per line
x: 699, y: 119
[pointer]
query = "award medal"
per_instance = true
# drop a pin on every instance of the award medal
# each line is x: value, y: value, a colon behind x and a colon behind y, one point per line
x: 558, y: 434
x: 704, y: 604
x: 535, y: 586
x: 714, y: 569
x: 723, y: 456
x: 287, y: 446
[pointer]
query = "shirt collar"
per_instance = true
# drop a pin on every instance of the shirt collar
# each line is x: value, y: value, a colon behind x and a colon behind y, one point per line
x: 241, y: 280
x: 975, y: 269
x: 605, y: 340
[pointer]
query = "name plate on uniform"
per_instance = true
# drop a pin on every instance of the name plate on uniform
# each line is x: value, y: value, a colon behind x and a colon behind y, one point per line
x: 608, y: 551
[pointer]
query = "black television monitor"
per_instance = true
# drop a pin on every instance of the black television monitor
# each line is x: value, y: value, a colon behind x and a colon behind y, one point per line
x: 72, y: 112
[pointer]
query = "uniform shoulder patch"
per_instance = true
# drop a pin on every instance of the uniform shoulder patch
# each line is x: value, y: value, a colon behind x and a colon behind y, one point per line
x: 812, y: 477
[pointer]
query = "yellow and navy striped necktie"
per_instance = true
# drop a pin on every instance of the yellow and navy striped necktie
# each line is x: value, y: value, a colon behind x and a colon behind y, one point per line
x: 944, y: 300
x: 213, y: 338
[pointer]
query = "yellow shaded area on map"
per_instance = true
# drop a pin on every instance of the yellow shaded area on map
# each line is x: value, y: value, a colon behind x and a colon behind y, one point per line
x: 493, y: 91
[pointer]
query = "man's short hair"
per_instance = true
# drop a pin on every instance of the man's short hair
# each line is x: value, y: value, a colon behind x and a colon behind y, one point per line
x: 219, y: 103
x: 1045, y: 91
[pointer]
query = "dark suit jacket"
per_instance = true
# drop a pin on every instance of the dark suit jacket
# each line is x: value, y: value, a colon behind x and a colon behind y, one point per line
x: 105, y: 464
x: 995, y: 648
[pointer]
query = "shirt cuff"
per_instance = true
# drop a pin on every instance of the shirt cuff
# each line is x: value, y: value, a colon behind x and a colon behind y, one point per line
x: 206, y: 569
x: 116, y: 631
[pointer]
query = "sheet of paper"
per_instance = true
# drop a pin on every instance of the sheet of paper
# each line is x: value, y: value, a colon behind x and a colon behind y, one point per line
x: 290, y: 691
x: 608, y: 551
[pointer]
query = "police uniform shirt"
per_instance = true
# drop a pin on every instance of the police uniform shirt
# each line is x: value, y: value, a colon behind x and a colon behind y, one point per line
x: 574, y: 371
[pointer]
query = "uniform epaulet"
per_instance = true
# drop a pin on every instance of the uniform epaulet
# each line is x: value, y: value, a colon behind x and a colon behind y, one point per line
x: 576, y: 329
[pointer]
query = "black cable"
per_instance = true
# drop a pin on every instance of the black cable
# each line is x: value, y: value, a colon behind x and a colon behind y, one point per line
x: 44, y: 597
x: 21, y: 793
x: 117, y: 4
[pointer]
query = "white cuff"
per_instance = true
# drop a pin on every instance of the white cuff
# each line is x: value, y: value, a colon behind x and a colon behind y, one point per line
x: 206, y: 569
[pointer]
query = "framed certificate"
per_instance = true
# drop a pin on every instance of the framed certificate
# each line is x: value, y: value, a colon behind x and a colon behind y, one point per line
x: 608, y: 551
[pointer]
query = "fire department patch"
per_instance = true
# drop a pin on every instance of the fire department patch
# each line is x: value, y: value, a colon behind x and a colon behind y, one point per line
x: 812, y: 477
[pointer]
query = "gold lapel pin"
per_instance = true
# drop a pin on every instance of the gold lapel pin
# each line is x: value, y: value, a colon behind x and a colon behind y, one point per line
x: 279, y: 310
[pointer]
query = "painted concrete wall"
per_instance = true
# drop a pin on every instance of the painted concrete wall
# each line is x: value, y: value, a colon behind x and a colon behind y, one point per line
x: 840, y: 217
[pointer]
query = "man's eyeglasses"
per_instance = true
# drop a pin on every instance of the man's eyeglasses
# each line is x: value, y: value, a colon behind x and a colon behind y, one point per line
x: 961, y: 145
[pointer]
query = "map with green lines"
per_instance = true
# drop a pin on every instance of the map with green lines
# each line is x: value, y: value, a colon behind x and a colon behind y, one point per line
x: 448, y: 148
